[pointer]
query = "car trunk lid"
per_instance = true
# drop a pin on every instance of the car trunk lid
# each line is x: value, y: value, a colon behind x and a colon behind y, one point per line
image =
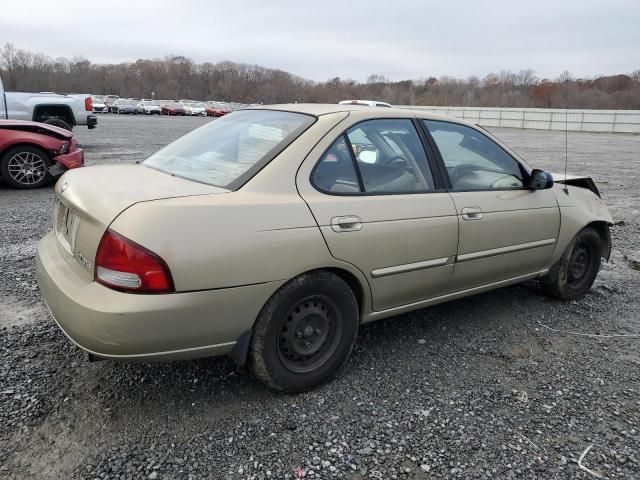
x: 89, y: 199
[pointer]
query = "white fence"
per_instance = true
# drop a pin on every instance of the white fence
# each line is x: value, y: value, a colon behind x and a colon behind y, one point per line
x: 612, y: 121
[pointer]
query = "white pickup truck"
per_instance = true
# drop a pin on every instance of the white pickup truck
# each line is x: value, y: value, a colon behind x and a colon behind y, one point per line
x: 64, y: 111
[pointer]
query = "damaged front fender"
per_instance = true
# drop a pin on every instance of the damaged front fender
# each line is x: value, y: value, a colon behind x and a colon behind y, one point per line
x: 580, y: 207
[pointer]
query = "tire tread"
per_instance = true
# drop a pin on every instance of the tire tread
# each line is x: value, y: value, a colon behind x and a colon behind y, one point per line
x: 257, y: 354
x: 554, y: 283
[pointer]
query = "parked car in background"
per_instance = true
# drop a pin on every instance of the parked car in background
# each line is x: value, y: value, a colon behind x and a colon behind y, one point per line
x: 214, y: 109
x: 139, y: 105
x: 98, y: 104
x: 32, y: 154
x: 109, y: 100
x: 195, y: 108
x: 263, y: 235
x: 151, y: 107
x: 172, y: 108
x: 122, y: 106
x: 64, y: 111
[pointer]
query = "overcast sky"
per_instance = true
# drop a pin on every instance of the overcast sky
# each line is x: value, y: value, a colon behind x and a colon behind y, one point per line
x: 400, y: 39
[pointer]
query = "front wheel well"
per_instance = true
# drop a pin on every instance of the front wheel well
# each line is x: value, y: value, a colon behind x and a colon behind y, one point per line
x: 602, y: 228
x: 30, y: 145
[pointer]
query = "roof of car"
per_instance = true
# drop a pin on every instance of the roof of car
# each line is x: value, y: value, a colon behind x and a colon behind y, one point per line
x: 327, y: 108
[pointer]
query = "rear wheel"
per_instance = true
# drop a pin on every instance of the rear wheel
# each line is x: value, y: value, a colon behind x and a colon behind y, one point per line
x: 572, y: 276
x: 25, y: 167
x: 58, y: 122
x: 305, y: 332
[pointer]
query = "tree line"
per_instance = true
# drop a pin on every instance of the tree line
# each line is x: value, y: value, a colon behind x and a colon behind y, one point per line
x: 176, y: 76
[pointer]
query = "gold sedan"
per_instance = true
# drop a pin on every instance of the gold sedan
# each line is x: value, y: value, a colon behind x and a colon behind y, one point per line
x: 273, y: 233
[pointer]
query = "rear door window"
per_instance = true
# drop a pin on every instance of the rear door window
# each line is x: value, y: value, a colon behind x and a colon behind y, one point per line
x: 375, y: 157
x: 390, y: 157
x: 335, y: 173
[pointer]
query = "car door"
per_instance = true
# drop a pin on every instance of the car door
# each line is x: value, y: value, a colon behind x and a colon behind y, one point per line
x: 382, y: 208
x: 506, y: 229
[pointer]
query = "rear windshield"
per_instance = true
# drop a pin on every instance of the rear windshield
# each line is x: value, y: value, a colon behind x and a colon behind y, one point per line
x: 229, y: 151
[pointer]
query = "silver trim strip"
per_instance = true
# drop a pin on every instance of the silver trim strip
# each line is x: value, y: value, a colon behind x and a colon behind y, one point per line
x: 502, y: 250
x: 409, y: 267
x: 375, y: 315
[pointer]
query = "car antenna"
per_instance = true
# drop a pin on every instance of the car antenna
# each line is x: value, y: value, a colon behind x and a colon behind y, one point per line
x: 566, y: 133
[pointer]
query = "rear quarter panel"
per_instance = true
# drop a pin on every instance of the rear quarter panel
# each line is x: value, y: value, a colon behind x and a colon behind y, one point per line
x: 226, y: 240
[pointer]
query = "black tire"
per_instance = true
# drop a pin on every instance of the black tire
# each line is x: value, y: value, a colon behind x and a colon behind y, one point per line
x: 25, y: 167
x: 572, y: 276
x: 305, y: 332
x: 58, y: 122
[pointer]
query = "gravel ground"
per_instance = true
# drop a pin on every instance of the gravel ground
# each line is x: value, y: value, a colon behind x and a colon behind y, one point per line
x: 500, y: 385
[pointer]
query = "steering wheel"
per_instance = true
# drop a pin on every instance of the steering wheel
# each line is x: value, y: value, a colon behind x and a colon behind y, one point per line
x: 460, y: 171
x: 396, y: 161
x: 410, y: 166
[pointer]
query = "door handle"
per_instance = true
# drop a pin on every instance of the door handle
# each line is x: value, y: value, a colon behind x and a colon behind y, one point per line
x: 350, y: 223
x: 471, y: 213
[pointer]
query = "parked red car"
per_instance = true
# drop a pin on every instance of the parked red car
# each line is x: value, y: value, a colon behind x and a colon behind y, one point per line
x: 172, y: 109
x: 32, y: 153
x: 217, y: 111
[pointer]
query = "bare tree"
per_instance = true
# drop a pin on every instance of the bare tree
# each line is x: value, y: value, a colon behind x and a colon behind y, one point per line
x: 8, y: 63
x: 177, y: 76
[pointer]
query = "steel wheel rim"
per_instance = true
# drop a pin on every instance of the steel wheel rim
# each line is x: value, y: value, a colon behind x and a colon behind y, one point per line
x: 309, y: 334
x: 579, y: 262
x: 27, y: 168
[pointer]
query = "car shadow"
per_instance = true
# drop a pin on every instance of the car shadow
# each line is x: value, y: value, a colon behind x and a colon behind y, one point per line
x: 5, y: 187
x: 217, y: 387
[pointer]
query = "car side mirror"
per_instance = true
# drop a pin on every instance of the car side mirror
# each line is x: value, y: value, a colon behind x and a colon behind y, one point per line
x: 540, y: 180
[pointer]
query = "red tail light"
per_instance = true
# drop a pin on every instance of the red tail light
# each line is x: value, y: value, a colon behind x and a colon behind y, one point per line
x: 88, y: 104
x: 126, y: 266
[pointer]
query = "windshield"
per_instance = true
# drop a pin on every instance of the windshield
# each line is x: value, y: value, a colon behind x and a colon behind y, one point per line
x: 227, y: 152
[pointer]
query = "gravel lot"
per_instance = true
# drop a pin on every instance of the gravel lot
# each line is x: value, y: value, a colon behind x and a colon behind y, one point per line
x: 507, y: 384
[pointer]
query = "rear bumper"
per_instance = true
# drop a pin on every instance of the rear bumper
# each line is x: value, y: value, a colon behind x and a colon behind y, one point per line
x: 116, y: 325
x: 92, y: 121
x: 71, y: 160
